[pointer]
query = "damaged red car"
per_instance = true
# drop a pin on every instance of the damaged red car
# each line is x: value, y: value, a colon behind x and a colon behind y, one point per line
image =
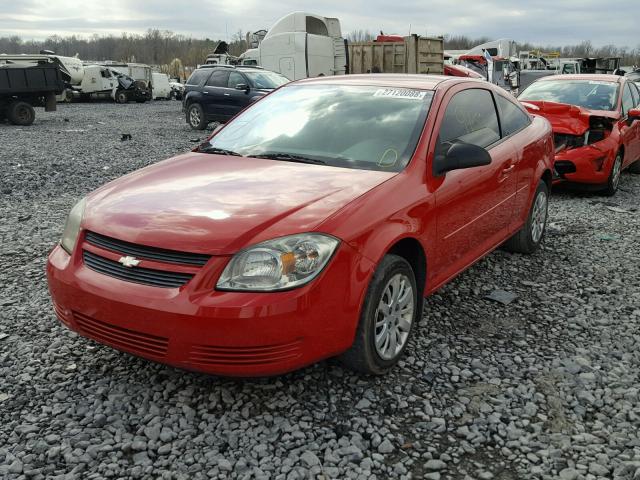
x: 596, y: 126
x: 309, y: 226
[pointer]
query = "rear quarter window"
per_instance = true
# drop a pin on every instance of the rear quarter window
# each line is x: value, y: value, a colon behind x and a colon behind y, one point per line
x: 512, y: 117
x: 198, y: 77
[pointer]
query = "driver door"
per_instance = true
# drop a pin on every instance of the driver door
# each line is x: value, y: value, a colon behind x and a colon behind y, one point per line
x: 629, y: 129
x: 474, y: 206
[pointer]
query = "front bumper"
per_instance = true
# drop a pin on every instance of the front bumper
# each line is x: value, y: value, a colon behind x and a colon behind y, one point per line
x: 590, y: 164
x: 197, y: 328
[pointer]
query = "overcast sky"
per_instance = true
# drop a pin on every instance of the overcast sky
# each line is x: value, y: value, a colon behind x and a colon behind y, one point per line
x: 537, y: 21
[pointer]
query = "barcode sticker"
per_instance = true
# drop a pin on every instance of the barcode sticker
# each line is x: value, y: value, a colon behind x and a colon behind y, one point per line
x: 400, y: 93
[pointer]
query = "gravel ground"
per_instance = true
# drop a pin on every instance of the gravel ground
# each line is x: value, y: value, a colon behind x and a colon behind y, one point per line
x: 544, y: 387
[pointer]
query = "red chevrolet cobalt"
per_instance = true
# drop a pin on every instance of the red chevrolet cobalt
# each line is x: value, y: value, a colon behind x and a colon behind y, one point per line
x: 596, y: 124
x: 310, y: 226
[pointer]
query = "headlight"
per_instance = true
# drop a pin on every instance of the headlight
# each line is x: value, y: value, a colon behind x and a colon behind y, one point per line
x: 278, y: 264
x: 72, y: 227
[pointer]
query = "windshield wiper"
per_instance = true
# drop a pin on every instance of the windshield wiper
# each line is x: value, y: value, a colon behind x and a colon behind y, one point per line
x: 207, y: 148
x: 289, y: 157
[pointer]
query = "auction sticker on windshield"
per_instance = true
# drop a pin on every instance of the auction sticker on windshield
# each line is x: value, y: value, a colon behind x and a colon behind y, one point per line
x: 400, y: 93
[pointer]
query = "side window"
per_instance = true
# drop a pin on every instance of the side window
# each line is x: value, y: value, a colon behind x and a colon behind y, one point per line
x: 635, y: 93
x: 512, y: 118
x: 235, y: 79
x: 470, y: 117
x: 627, y: 99
x: 316, y: 26
x: 198, y: 77
x: 218, y: 78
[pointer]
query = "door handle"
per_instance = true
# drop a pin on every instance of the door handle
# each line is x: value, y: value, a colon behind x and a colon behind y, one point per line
x: 508, y: 169
x: 227, y: 94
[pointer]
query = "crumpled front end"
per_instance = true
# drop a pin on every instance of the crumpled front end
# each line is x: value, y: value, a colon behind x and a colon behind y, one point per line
x: 586, y: 141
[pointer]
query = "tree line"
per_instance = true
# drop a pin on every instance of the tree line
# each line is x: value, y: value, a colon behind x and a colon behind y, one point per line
x: 161, y: 47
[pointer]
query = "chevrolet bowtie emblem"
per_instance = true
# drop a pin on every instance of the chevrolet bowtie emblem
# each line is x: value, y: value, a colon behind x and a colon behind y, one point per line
x: 129, y: 261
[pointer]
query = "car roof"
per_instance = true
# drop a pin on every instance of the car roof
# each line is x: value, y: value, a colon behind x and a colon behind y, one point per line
x: 597, y: 77
x: 421, y: 82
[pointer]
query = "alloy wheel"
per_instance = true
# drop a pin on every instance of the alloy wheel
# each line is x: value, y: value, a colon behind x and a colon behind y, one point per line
x: 539, y: 217
x: 194, y: 117
x: 615, y: 173
x: 394, y: 316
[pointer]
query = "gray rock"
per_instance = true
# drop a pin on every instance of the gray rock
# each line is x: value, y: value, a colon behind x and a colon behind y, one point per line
x: 309, y: 458
x: 386, y: 447
x: 435, y: 465
x: 569, y: 474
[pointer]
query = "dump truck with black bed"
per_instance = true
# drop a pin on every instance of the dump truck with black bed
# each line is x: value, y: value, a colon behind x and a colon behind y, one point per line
x: 23, y: 87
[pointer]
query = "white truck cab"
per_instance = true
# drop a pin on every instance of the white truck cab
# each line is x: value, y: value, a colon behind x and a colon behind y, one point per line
x: 301, y: 45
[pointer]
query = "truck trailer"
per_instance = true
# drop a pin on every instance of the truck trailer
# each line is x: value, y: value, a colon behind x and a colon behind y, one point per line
x: 413, y: 54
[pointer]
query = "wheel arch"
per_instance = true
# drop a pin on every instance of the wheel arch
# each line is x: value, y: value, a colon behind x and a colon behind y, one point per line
x: 413, y: 252
x: 547, y: 177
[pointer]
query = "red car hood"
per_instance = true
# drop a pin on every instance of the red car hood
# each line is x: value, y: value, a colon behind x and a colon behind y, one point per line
x: 216, y: 204
x: 565, y: 118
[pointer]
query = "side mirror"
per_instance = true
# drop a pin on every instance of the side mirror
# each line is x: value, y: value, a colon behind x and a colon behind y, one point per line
x: 242, y: 86
x: 460, y: 155
x: 634, y: 114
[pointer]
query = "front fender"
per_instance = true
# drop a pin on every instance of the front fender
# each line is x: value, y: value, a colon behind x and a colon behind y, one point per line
x: 398, y: 209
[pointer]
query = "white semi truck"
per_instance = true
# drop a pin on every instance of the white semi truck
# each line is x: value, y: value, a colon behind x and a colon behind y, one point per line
x: 300, y: 45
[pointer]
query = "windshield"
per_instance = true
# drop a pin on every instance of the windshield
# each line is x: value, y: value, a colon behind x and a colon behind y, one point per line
x: 369, y: 128
x: 591, y: 94
x: 268, y: 80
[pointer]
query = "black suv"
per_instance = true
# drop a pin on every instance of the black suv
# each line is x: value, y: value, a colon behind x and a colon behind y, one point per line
x: 218, y: 92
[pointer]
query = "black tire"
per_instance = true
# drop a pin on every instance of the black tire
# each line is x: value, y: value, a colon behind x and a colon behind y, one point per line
x: 529, y: 237
x: 614, y: 177
x: 122, y: 96
x: 195, y: 117
x: 635, y: 167
x: 21, y: 113
x: 363, y: 355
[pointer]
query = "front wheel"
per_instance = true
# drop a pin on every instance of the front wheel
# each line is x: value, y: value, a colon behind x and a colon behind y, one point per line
x: 529, y: 237
x: 122, y: 97
x: 389, y: 312
x: 196, y: 117
x: 614, y: 177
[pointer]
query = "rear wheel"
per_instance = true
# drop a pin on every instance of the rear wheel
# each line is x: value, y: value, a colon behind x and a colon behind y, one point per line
x: 614, y: 177
x: 21, y: 113
x: 389, y: 312
x: 195, y: 117
x: 529, y: 237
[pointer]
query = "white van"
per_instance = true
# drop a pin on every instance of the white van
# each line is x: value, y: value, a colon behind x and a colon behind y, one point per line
x: 160, y: 86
